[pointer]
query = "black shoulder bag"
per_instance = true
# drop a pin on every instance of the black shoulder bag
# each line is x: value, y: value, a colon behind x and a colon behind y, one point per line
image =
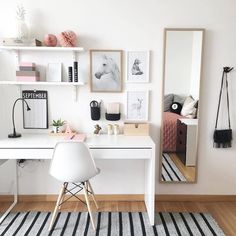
x: 223, y: 138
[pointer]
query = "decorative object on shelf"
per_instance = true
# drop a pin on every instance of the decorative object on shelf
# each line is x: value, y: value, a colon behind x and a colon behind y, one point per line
x: 109, y: 129
x: 27, y: 66
x: 137, y: 103
x: 95, y: 109
x: 70, y: 74
x: 97, y: 129
x: 20, y: 42
x: 223, y: 137
x: 136, y: 129
x: 113, y: 111
x: 138, y: 66
x: 67, y: 39
x: 50, y: 40
x: 27, y: 76
x: 58, y: 126
x: 38, y: 102
x: 22, y: 28
x: 53, y: 73
x: 75, y: 71
x: 15, y: 134
x: 27, y: 72
x: 116, y: 129
x: 106, y: 70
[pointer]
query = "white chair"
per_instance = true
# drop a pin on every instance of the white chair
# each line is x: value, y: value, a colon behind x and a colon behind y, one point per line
x: 73, y: 163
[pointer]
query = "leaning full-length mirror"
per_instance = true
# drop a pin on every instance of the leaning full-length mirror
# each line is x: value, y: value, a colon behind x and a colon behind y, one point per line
x: 182, y: 74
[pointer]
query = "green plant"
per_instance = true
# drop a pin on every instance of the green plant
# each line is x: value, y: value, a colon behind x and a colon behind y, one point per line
x: 58, y: 122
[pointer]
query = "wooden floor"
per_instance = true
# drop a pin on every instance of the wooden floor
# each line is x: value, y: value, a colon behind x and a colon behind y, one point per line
x: 223, y: 212
x: 189, y: 172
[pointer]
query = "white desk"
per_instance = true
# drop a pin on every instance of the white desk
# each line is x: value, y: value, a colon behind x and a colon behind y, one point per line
x: 40, y: 146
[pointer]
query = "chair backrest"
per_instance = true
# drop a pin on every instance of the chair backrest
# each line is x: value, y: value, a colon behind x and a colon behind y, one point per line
x: 72, y: 162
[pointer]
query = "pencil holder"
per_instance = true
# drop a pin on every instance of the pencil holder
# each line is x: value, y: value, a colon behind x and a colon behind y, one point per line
x: 95, y: 110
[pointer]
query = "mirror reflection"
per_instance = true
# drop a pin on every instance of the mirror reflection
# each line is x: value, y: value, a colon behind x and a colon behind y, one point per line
x: 182, y: 72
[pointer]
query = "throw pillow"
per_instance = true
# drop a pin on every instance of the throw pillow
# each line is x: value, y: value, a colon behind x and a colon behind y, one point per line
x: 168, y: 99
x: 176, y: 107
x: 179, y: 98
x: 189, y: 110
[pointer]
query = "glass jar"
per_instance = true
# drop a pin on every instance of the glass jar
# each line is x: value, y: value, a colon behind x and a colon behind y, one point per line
x: 109, y: 129
x: 116, y: 129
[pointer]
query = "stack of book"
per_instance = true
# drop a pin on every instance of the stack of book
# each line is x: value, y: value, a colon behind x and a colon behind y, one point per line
x: 20, y: 42
x: 27, y: 72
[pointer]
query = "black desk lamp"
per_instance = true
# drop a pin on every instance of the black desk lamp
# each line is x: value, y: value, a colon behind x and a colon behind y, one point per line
x: 14, y: 134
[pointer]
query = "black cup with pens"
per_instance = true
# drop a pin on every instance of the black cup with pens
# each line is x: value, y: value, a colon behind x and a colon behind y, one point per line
x: 95, y: 108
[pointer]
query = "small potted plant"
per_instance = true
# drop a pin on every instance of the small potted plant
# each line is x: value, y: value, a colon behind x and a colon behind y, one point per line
x: 58, y: 125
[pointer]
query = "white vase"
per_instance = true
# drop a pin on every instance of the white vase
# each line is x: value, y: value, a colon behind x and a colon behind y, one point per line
x: 57, y: 129
x: 22, y: 30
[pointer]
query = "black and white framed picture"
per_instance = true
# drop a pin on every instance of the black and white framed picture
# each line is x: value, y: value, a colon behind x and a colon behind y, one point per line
x: 138, y: 66
x: 137, y: 103
x: 106, y: 70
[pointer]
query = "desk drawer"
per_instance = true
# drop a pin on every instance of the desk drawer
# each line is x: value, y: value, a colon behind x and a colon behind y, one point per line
x: 121, y: 153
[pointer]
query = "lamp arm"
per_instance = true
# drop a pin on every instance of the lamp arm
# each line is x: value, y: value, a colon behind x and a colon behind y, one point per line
x: 13, y: 112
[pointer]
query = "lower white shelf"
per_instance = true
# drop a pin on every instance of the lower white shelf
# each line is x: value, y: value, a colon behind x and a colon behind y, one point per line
x: 41, y: 83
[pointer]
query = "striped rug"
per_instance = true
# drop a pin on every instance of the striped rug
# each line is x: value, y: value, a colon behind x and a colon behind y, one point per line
x: 110, y: 224
x: 170, y: 172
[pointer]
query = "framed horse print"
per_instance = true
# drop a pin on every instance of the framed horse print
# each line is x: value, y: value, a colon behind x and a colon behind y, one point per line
x: 106, y: 71
x: 138, y: 66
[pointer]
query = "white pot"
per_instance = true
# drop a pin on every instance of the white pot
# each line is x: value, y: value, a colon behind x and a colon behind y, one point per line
x: 57, y: 129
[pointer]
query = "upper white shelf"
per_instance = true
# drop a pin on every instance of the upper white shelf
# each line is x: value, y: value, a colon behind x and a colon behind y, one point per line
x: 42, y: 48
x: 41, y: 83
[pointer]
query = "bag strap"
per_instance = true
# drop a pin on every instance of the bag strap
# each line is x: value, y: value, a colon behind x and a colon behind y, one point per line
x: 226, y: 70
x: 218, y: 109
x: 226, y: 81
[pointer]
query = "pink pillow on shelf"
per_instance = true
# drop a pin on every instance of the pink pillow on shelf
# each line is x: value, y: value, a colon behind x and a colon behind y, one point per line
x: 67, y: 39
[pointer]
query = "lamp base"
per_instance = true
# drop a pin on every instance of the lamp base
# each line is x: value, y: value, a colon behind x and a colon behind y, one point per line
x: 14, y: 135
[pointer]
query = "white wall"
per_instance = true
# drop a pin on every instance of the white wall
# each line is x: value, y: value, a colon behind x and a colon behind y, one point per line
x: 138, y: 25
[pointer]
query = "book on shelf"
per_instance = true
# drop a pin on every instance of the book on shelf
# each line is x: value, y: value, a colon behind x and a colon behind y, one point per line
x: 20, y: 42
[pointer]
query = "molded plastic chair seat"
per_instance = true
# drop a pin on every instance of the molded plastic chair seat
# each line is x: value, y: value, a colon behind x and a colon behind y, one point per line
x: 72, y: 162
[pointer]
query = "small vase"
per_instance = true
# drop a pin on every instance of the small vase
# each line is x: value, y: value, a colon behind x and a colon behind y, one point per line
x: 57, y: 129
x: 22, y: 30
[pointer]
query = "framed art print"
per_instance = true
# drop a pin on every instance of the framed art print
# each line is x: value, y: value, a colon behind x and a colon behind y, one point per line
x: 137, y: 103
x: 106, y: 70
x: 138, y: 66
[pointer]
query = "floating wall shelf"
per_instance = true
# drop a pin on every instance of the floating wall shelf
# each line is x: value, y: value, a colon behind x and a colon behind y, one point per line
x: 18, y: 49
x: 42, y: 48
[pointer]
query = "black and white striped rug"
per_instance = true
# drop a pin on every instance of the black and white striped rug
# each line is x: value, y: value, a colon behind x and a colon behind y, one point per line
x: 110, y: 224
x: 170, y: 172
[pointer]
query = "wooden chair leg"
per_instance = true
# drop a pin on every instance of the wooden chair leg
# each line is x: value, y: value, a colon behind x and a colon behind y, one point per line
x: 88, y: 205
x: 57, y: 206
x: 63, y: 196
x: 93, y: 196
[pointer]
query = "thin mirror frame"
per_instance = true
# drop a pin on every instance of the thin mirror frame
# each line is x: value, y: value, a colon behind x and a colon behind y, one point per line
x: 162, y: 109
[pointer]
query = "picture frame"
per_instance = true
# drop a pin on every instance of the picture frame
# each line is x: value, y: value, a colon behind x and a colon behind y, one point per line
x: 106, y: 71
x: 54, y: 72
x: 138, y: 66
x: 137, y: 105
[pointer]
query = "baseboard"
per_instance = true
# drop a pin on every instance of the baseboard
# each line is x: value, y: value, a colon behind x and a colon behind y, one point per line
x: 53, y: 197
x: 194, y: 198
x: 127, y: 198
